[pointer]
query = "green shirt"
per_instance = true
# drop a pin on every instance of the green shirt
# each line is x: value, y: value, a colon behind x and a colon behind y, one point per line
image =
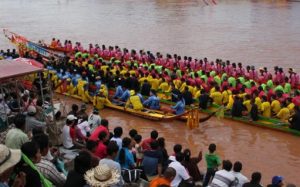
x: 287, y: 88
x: 232, y: 81
x: 15, y: 138
x: 270, y: 83
x: 212, y: 160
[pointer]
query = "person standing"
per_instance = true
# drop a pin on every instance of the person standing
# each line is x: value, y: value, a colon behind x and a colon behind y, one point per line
x: 213, y: 161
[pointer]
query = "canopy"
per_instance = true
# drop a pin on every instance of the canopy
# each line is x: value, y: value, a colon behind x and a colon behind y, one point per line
x: 19, y: 67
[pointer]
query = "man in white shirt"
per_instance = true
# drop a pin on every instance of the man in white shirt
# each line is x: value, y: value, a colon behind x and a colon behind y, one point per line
x: 241, y: 179
x: 112, y: 152
x: 84, y: 126
x: 224, y: 178
x: 94, y: 120
x: 67, y: 139
x: 118, y: 131
x: 181, y: 172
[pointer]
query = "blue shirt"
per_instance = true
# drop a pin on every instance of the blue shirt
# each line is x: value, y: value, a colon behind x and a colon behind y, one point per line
x: 129, y: 160
x: 119, y: 92
x: 98, y: 84
x: 179, y: 107
x: 152, y: 102
x: 125, y: 95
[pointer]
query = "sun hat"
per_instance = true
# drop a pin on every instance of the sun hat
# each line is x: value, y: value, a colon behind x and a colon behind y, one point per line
x: 71, y: 117
x: 31, y: 109
x: 8, y: 157
x: 102, y: 176
x: 277, y: 180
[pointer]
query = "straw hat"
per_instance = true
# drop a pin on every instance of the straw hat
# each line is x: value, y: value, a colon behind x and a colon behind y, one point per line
x: 8, y: 157
x: 102, y: 176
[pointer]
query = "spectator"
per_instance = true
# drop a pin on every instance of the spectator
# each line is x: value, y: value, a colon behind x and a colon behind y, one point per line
x: 182, y: 175
x: 102, y: 175
x: 74, y: 110
x: 46, y: 167
x: 8, y: 159
x: 132, y: 134
x: 165, y: 161
x: 224, y: 177
x: 101, y: 148
x: 4, y: 110
x: 16, y: 137
x: 118, y: 131
x: 177, y: 149
x: 277, y: 181
x: 125, y: 157
x: 69, y: 134
x: 94, y: 120
x: 32, y: 152
x: 146, y: 143
x: 255, y: 180
x: 152, y: 161
x: 212, y: 162
x: 84, y: 126
x: 241, y: 179
x: 191, y: 164
x: 112, y: 152
x: 102, y: 127
x: 166, y: 179
x: 82, y: 111
x: 82, y: 163
x: 32, y: 122
x: 91, y: 147
x: 138, y: 149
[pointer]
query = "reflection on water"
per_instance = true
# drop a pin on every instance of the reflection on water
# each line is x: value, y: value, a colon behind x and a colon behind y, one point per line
x: 263, y: 33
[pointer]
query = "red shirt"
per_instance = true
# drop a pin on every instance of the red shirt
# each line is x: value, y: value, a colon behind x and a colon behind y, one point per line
x: 101, y: 150
x: 146, y: 144
x: 97, y: 131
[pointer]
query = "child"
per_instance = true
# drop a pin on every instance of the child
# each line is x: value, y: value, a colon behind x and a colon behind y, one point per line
x: 212, y: 161
x: 139, y: 150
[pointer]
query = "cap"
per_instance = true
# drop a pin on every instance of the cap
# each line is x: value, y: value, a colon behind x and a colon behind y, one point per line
x: 71, y: 117
x: 31, y: 109
x: 277, y: 180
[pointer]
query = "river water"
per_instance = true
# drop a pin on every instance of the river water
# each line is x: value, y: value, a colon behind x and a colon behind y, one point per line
x: 261, y: 33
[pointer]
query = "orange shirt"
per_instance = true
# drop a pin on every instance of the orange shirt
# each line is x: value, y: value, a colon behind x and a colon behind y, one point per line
x: 159, y: 181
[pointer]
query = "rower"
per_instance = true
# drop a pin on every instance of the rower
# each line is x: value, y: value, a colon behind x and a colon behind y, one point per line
x: 100, y: 100
x: 125, y: 95
x: 179, y: 108
x: 135, y: 101
x: 119, y: 92
x: 153, y: 101
x: 265, y: 107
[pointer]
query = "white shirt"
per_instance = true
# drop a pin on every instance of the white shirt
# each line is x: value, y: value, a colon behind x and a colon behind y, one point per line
x: 95, y: 121
x: 181, y: 173
x: 84, y: 127
x: 66, y: 137
x: 118, y: 141
x: 4, y: 110
x: 223, y: 178
x: 241, y: 179
x: 113, y: 164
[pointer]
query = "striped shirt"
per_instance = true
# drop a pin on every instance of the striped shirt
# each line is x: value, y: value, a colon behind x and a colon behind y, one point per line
x: 223, y: 178
x: 48, y: 169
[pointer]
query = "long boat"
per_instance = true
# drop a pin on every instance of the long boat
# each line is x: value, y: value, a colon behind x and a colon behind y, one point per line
x: 156, y: 115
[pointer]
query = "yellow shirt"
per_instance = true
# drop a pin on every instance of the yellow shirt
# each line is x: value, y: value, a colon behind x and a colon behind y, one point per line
x: 141, y: 80
x: 182, y: 87
x: 283, y: 114
x: 155, y: 84
x: 248, y: 105
x: 266, y: 109
x: 243, y: 95
x: 230, y: 102
x: 164, y: 87
x: 275, y: 106
x: 225, y: 95
x: 291, y: 107
x: 123, y: 72
x: 99, y: 102
x: 177, y: 83
x: 217, y: 97
x: 135, y: 101
x: 212, y: 90
x: 258, y: 103
x: 132, y: 72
